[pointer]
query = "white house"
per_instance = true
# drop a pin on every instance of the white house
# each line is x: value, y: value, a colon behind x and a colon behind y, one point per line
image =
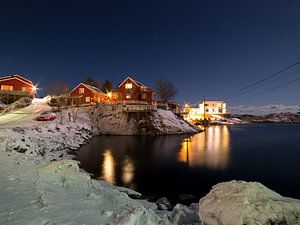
x: 206, y: 109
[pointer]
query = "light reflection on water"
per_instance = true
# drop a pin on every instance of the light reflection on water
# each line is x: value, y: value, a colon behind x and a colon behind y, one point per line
x: 153, y: 166
x: 207, y: 149
x: 210, y: 148
x: 127, y: 171
x: 108, y: 167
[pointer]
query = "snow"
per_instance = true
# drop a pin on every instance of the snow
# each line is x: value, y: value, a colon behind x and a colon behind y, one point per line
x: 44, y: 141
x: 240, y: 202
x: 168, y: 123
x: 59, y: 192
x: 220, y: 120
x: 263, y: 110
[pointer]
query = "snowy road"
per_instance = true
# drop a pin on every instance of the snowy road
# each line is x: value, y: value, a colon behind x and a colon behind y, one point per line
x: 24, y: 117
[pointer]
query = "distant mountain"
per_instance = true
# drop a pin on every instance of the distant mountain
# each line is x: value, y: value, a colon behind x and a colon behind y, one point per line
x: 264, y: 110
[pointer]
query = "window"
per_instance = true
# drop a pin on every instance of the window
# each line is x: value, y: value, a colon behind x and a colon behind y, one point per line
x: 128, y: 86
x: 144, y: 95
x: 87, y: 99
x: 6, y: 87
x: 220, y: 110
x: 207, y: 110
x: 128, y: 95
x: 115, y: 95
x: 24, y: 89
x: 81, y: 90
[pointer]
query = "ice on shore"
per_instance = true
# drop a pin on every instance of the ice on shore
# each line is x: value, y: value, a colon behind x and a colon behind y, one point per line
x: 251, y: 203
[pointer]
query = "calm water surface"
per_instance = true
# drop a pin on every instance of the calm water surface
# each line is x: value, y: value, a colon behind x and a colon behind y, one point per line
x: 174, y: 166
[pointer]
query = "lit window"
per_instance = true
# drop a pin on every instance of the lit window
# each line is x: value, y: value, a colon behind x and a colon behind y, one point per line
x: 144, y: 95
x: 128, y: 95
x: 115, y: 95
x: 81, y: 90
x: 24, y: 89
x: 6, y: 87
x: 87, y: 99
x: 128, y: 85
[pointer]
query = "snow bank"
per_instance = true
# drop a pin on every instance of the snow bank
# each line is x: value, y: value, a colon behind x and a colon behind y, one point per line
x: 240, y: 202
x: 60, y: 194
x: 168, y: 123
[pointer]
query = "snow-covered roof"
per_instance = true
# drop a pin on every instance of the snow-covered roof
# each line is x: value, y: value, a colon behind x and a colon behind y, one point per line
x: 90, y: 87
x: 134, y: 81
x: 18, y: 77
x: 139, y: 84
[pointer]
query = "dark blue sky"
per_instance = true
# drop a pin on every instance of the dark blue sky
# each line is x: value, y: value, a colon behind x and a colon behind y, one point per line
x: 207, y: 48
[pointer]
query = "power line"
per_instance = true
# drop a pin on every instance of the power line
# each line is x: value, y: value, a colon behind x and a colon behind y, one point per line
x: 264, y: 84
x: 270, y: 89
x: 262, y: 80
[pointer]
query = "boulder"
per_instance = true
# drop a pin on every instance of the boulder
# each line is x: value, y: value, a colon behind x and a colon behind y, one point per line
x: 240, y: 202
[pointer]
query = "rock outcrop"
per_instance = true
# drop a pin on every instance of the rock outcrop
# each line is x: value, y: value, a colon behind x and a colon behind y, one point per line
x: 115, y: 120
x: 251, y: 203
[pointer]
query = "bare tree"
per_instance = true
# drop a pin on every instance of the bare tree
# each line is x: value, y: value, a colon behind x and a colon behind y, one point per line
x: 59, y: 88
x: 92, y: 82
x: 165, y: 90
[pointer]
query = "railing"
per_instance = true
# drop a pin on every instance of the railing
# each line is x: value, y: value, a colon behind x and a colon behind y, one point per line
x: 140, y: 108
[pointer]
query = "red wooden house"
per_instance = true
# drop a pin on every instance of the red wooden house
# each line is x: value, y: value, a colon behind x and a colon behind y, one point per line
x: 131, y: 90
x: 87, y: 94
x: 17, y: 83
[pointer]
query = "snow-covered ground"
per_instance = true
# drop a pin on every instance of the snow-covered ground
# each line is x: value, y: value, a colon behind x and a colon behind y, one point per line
x: 33, y: 192
x: 263, y: 110
x: 25, y: 116
x: 168, y: 123
x: 44, y: 141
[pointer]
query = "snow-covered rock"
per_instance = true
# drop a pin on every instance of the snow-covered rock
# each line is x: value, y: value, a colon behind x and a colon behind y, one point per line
x: 251, y: 203
x: 59, y: 193
x: 113, y: 120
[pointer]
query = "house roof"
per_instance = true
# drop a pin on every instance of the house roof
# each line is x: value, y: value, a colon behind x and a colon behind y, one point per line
x: 90, y: 87
x: 134, y: 81
x: 18, y: 77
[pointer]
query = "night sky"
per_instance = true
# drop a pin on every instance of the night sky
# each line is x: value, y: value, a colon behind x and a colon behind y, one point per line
x: 207, y: 48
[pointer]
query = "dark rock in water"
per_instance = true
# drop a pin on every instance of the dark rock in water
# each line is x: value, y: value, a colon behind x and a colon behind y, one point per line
x: 163, y: 204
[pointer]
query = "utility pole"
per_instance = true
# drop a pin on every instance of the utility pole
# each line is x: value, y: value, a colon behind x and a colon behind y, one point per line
x: 204, y: 107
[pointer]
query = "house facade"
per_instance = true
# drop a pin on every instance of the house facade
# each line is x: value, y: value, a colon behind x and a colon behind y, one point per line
x: 133, y: 91
x: 16, y: 84
x: 213, y: 107
x: 86, y: 94
x: 206, y: 109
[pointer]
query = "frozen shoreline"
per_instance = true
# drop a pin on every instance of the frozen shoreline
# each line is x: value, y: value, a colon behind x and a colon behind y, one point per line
x: 35, y: 192
x: 26, y: 148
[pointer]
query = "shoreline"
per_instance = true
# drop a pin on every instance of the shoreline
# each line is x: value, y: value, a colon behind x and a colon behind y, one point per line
x: 57, y: 140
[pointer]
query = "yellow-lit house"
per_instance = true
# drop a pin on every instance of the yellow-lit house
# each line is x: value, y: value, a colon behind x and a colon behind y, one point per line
x: 206, y: 109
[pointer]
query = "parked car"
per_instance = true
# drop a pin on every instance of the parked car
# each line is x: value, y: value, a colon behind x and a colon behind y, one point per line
x: 46, y: 116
